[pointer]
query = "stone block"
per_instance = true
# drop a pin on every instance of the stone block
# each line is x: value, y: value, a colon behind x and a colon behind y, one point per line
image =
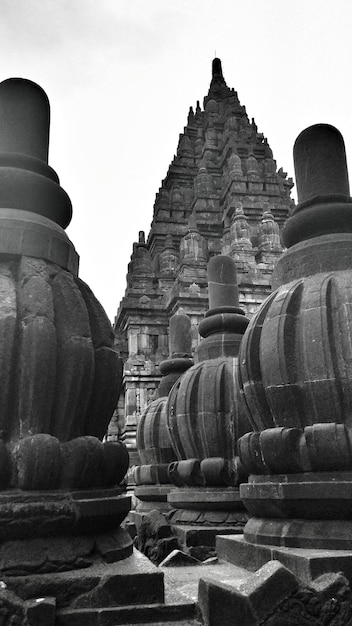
x: 249, y: 602
x: 234, y: 549
x: 41, y: 612
x: 134, y: 580
x: 179, y: 559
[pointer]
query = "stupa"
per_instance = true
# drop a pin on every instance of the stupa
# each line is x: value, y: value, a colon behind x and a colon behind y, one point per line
x: 205, y: 421
x: 64, y: 557
x: 295, y: 381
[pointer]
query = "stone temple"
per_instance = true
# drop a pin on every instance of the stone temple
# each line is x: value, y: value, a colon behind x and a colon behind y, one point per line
x: 222, y: 194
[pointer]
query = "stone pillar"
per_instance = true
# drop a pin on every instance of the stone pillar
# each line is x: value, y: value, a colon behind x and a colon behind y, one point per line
x: 153, y: 440
x: 204, y: 419
x: 61, y: 505
x: 295, y: 379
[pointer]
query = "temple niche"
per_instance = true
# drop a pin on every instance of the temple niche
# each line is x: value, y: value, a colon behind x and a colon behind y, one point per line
x: 222, y: 194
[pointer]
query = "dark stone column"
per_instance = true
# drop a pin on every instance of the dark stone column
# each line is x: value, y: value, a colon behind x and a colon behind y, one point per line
x: 205, y: 420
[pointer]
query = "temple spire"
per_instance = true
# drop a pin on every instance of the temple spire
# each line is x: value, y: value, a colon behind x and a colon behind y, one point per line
x: 218, y: 89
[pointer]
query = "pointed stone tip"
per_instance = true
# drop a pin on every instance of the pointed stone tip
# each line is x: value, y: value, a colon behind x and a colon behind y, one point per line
x: 180, y: 334
x: 216, y: 68
x: 222, y: 282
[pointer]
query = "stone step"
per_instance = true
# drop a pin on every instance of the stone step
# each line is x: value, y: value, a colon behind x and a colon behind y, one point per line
x: 184, y: 614
x: 178, y: 609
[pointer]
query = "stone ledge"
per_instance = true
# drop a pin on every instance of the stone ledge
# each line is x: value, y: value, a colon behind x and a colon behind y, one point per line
x: 306, y: 564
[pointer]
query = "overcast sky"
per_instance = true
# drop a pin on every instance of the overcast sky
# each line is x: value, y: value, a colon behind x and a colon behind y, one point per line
x: 121, y: 75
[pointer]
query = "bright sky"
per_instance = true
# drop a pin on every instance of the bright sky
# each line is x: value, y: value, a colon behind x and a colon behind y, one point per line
x: 121, y: 75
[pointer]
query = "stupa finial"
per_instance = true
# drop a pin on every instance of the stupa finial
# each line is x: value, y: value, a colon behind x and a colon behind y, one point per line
x: 324, y: 202
x: 27, y: 183
x: 217, y: 75
x: 217, y: 70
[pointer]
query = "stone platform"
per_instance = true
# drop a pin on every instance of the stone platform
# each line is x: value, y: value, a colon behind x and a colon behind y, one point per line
x: 307, y: 564
x: 192, y: 535
x: 202, y: 513
x: 133, y: 580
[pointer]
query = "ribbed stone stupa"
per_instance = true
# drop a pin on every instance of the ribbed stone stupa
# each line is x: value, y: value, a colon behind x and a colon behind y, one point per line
x: 153, y: 440
x: 203, y: 415
x: 295, y: 379
x: 61, y: 505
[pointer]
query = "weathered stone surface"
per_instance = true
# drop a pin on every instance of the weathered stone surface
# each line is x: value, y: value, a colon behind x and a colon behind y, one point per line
x: 201, y: 410
x: 82, y: 462
x: 310, y: 385
x: 75, y: 358
x: 26, y: 514
x: 39, y: 462
x: 39, y: 556
x: 328, y: 601
x: 51, y: 365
